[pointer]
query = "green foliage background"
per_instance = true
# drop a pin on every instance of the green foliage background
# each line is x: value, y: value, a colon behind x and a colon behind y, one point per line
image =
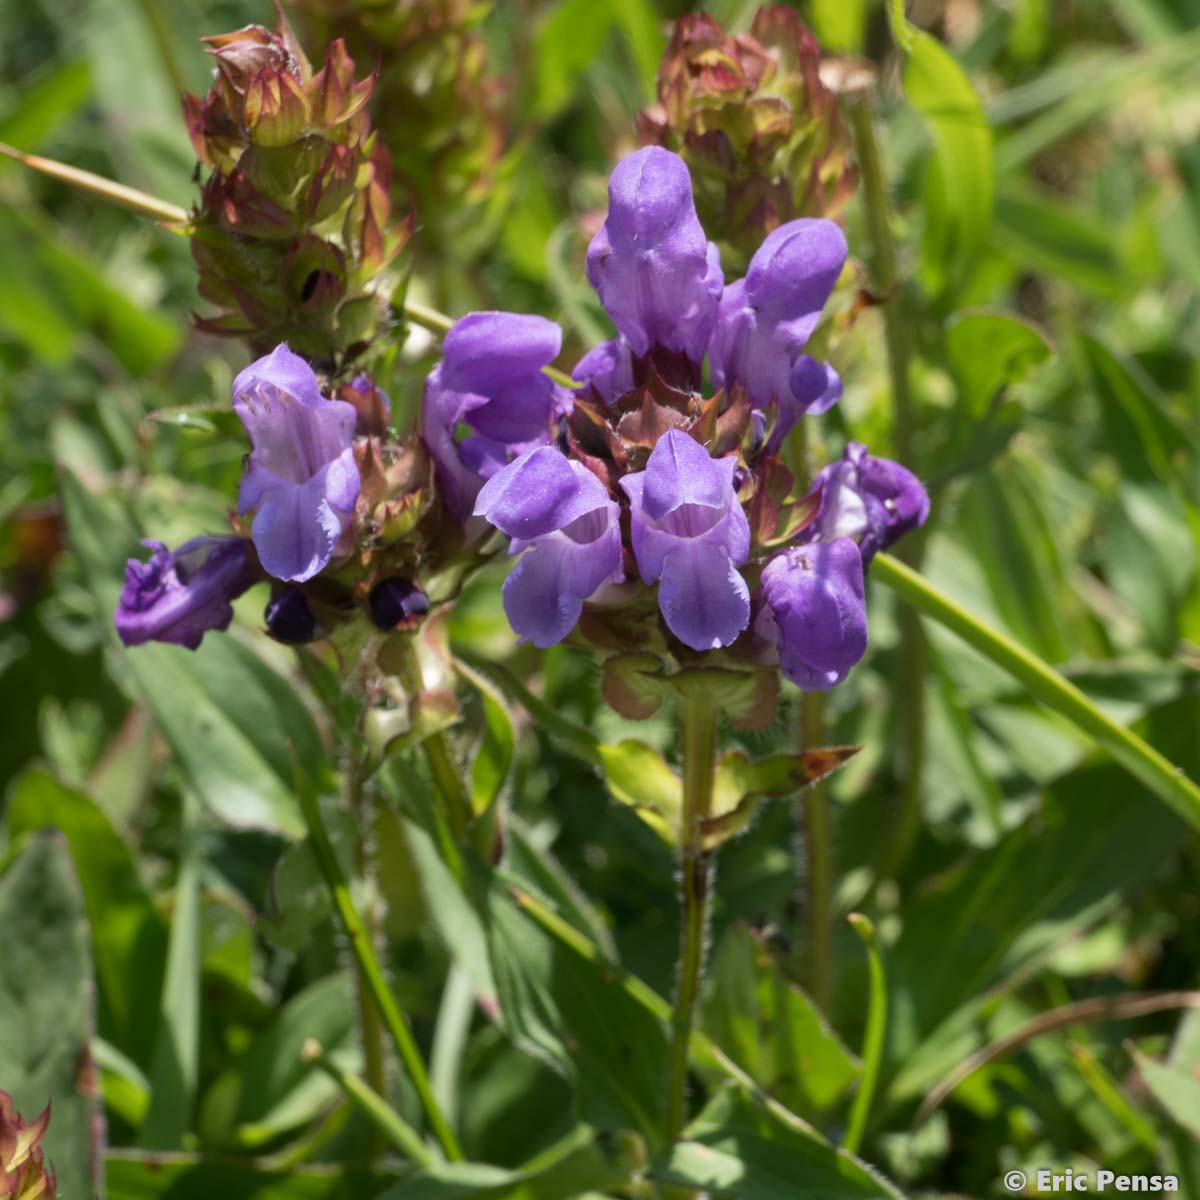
x: 1043, y: 161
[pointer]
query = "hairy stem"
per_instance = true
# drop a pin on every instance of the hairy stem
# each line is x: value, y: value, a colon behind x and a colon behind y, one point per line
x: 372, y: 973
x: 699, y: 720
x: 913, y: 650
x: 818, y: 861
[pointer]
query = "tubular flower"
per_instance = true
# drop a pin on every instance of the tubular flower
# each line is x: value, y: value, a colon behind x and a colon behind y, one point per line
x: 490, y: 379
x: 179, y: 595
x: 765, y: 320
x: 657, y: 275
x: 690, y: 535
x: 301, y: 475
x: 567, y: 531
x: 874, y: 500
x: 814, y: 612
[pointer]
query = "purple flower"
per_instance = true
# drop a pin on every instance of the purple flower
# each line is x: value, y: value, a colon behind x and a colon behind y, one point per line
x: 871, y: 499
x: 301, y: 474
x: 657, y: 275
x: 815, y: 612
x: 690, y: 535
x: 567, y: 530
x: 765, y: 320
x: 178, y: 596
x: 490, y: 378
x: 608, y: 368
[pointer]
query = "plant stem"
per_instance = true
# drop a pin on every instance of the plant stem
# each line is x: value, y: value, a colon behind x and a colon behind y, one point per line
x: 872, y: 1054
x: 912, y: 637
x: 389, y: 1123
x: 699, y: 720
x: 372, y: 973
x: 439, y: 323
x: 818, y: 857
x: 1167, y: 781
x: 369, y: 1021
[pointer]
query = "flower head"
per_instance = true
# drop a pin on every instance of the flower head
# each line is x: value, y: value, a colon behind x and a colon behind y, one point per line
x: 657, y: 275
x: 814, y: 612
x: 873, y: 500
x: 566, y: 529
x: 690, y: 535
x: 490, y: 379
x: 179, y: 595
x: 766, y: 319
x: 301, y: 474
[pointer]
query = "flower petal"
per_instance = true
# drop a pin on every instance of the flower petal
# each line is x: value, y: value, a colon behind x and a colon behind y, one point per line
x: 702, y: 595
x: 651, y: 265
x: 537, y: 494
x: 681, y: 472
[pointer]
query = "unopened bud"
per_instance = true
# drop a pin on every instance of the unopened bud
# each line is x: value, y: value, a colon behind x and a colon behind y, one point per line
x: 397, y: 604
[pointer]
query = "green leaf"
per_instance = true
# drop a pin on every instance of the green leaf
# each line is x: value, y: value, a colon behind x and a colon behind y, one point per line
x: 494, y: 755
x: 565, y: 43
x: 1177, y: 1089
x: 770, y: 1027
x: 128, y: 934
x: 988, y: 352
x: 575, y: 1169
x: 574, y: 1014
x: 138, y: 1176
x: 269, y: 1090
x: 637, y: 775
x: 960, y: 184
x: 45, y: 996
x: 44, y: 106
x: 734, y: 1149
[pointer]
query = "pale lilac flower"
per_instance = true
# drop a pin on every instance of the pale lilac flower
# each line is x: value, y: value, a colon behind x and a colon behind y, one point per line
x: 490, y: 379
x: 765, y: 320
x: 873, y: 500
x: 690, y: 535
x: 300, y: 475
x: 567, y: 531
x: 657, y: 275
x: 608, y: 368
x: 814, y: 612
x: 179, y: 595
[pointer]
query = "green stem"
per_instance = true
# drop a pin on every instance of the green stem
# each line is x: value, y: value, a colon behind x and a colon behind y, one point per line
x: 818, y: 857
x: 439, y: 323
x: 372, y: 973
x: 699, y: 720
x: 872, y: 1054
x: 1167, y: 781
x: 912, y: 637
x: 381, y: 1115
x: 369, y: 1021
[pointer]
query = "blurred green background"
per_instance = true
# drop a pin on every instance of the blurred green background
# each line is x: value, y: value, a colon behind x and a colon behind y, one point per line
x: 1050, y: 301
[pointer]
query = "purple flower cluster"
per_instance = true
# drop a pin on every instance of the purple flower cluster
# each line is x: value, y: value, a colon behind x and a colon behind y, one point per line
x: 301, y: 483
x: 660, y: 281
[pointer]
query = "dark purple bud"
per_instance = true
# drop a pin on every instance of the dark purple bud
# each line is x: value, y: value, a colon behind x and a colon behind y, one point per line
x: 289, y: 619
x: 371, y: 404
x: 397, y: 604
x: 179, y: 595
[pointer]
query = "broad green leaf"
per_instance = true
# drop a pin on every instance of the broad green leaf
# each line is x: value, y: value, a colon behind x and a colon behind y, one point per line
x: 45, y: 998
x: 269, y: 1090
x: 139, y: 1176
x: 494, y: 755
x: 960, y: 184
x: 1177, y: 1089
x: 575, y: 1015
x: 128, y: 934
x: 770, y: 1027
x: 734, y: 1149
x: 44, y: 106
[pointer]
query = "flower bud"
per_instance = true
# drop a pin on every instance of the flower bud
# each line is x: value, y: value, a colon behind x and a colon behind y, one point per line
x: 24, y: 1174
x: 289, y: 619
x: 397, y: 604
